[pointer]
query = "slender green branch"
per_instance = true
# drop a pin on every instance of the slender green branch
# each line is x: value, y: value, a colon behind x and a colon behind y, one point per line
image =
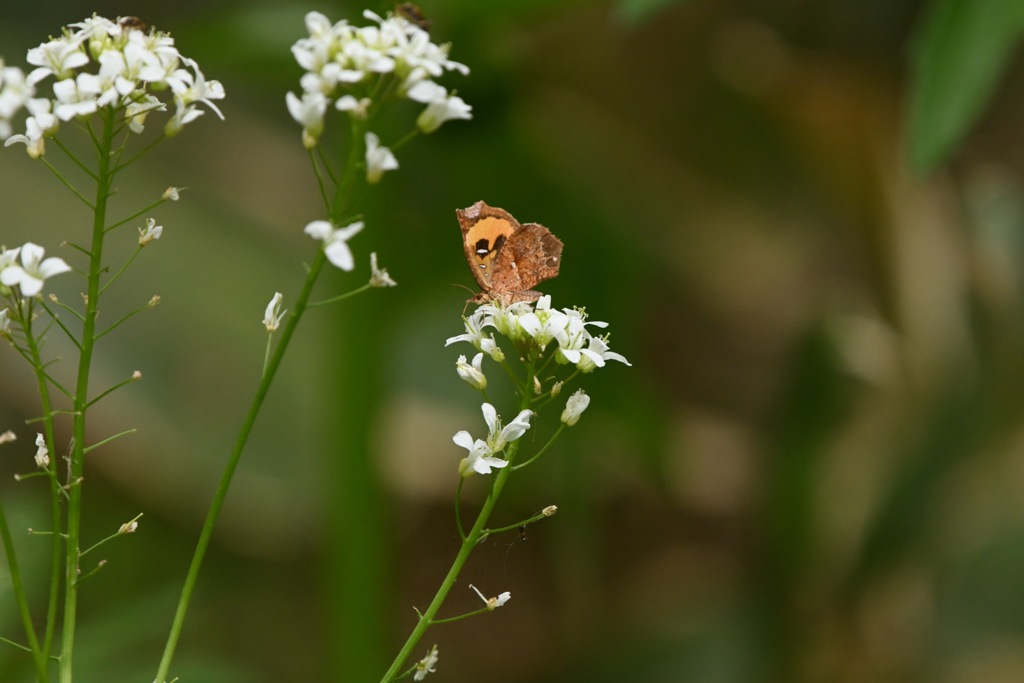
x: 319, y: 180
x: 54, y: 382
x: 81, y: 318
x: 78, y: 247
x: 531, y: 520
x: 550, y: 398
x: 73, y: 157
x: 62, y: 326
x: 463, y: 616
x: 266, y: 356
x: 23, y: 477
x: 114, y: 326
x: 341, y: 297
x: 19, y: 594
x: 458, y: 517
x: 111, y: 389
x: 134, y: 158
x: 554, y: 436
x: 327, y: 167
x: 109, y: 439
x: 28, y: 649
x: 118, y: 273
x: 112, y: 536
x: 52, y: 412
x: 408, y: 136
x: 100, y: 565
x: 515, y: 379
x: 66, y: 183
x: 135, y: 215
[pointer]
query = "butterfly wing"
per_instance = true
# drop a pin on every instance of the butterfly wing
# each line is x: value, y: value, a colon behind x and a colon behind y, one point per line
x: 485, y: 232
x: 531, y: 255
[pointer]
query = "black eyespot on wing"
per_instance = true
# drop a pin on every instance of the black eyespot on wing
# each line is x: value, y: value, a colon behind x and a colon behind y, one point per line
x: 499, y: 243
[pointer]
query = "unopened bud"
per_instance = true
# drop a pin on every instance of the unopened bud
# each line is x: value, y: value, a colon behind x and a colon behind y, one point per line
x: 171, y: 193
x: 85, y: 299
x: 154, y: 301
x: 549, y: 510
x: 8, y: 437
x: 128, y: 528
x: 53, y: 298
x: 556, y: 389
x: 537, y: 388
x: 136, y: 376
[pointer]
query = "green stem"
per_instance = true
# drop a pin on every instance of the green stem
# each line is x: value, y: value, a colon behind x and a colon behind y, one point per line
x: 55, y: 491
x: 81, y: 400
x: 134, y: 158
x: 266, y: 356
x: 467, y: 547
x: 236, y: 454
x: 458, y: 517
x: 109, y: 538
x: 541, y: 451
x: 67, y: 184
x: 110, y: 329
x: 19, y: 594
x: 531, y: 520
x: 320, y: 180
x: 74, y: 158
x: 135, y: 215
x: 462, y: 616
x: 108, y: 391
x: 109, y: 439
x: 340, y: 297
x: 118, y: 273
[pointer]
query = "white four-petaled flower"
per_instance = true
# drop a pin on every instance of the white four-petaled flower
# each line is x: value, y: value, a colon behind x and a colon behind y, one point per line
x: 492, y: 603
x: 379, y: 276
x: 29, y: 276
x: 309, y: 111
x: 273, y: 315
x: 335, y: 241
x: 378, y: 159
x: 445, y: 109
x: 426, y: 665
x: 42, y: 456
x: 472, y: 374
x: 498, y: 436
x: 152, y: 232
x: 574, y: 407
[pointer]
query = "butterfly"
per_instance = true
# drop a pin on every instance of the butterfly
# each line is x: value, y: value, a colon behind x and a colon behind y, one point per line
x: 507, y: 258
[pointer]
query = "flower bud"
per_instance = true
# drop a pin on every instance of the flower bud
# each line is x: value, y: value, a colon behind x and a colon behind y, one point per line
x: 152, y: 232
x: 537, y: 388
x: 136, y: 376
x: 491, y: 348
x: 154, y: 301
x: 172, y: 193
x: 549, y: 510
x: 42, y: 456
x: 556, y: 389
x: 574, y: 407
x: 8, y: 437
x: 128, y: 527
x: 472, y: 374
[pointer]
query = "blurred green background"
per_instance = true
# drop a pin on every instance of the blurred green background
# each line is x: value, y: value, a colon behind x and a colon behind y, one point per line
x: 804, y: 220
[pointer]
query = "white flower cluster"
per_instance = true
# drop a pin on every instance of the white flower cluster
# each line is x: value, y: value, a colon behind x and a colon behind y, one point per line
x: 102, y: 63
x: 29, y: 274
x: 540, y: 325
x: 483, y: 454
x: 342, y: 56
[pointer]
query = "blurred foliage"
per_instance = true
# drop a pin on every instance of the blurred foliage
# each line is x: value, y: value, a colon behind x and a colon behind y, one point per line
x: 811, y: 472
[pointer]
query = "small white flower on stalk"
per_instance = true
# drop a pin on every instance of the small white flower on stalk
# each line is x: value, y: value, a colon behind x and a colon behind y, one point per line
x: 505, y: 319
x: 474, y: 335
x: 5, y: 322
x: 8, y: 257
x: 498, y: 437
x: 472, y: 374
x: 29, y: 276
x: 426, y: 665
x: 42, y: 456
x: 202, y: 90
x: 272, y: 317
x: 574, y: 407
x: 378, y: 159
x: 491, y: 348
x: 379, y: 276
x: 136, y: 112
x: 14, y: 93
x: 556, y: 389
x: 480, y: 459
x: 58, y: 57
x: 8, y: 437
x: 549, y: 510
x: 309, y: 111
x: 172, y: 193
x: 41, y: 124
x: 128, y: 528
x: 152, y: 232
x: 492, y: 603
x: 335, y: 241
x: 439, y: 111
x: 76, y: 96
x: 544, y: 324
x: 596, y: 354
x: 184, y: 113
x: 357, y: 109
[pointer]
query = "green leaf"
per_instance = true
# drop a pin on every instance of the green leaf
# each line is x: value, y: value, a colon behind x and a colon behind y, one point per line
x: 959, y: 55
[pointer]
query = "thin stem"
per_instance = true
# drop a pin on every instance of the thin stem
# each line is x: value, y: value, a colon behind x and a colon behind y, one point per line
x: 62, y: 326
x: 541, y: 451
x: 110, y: 537
x: 111, y: 389
x: 320, y: 180
x: 79, y: 248
x: 67, y: 308
x: 132, y: 160
x: 327, y: 166
x: 81, y: 400
x: 73, y: 157
x: 512, y: 374
x: 463, y: 616
x: 52, y: 412
x: 236, y: 454
x: 52, y: 381
x: 55, y: 491
x: 109, y: 439
x: 118, y: 273
x: 66, y: 183
x: 339, y: 297
x: 266, y: 356
x: 551, y: 398
x: 114, y: 326
x: 531, y: 520
x: 19, y: 594
x: 135, y: 215
x: 458, y: 517
x: 409, y: 136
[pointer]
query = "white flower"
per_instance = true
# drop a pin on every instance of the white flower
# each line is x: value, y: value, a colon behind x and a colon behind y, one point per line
x: 33, y: 270
x: 57, y: 57
x: 378, y: 159
x: 574, y: 407
x: 544, y: 324
x: 42, y: 123
x: 492, y: 603
x: 474, y: 335
x: 5, y: 322
x: 358, y: 109
x: 9, y: 435
x: 136, y: 112
x: 14, y: 93
x: 472, y: 374
x: 202, y: 90
x: 184, y: 113
x: 8, y: 257
x: 480, y: 459
x: 505, y: 319
x: 273, y: 315
x: 426, y: 91
x: 335, y: 241
x: 379, y: 276
x: 152, y: 232
x: 426, y: 665
x: 549, y: 510
x: 309, y: 111
x: 491, y: 348
x: 498, y: 437
x: 172, y: 193
x: 439, y: 111
x: 42, y: 456
x: 596, y: 354
x: 128, y: 528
